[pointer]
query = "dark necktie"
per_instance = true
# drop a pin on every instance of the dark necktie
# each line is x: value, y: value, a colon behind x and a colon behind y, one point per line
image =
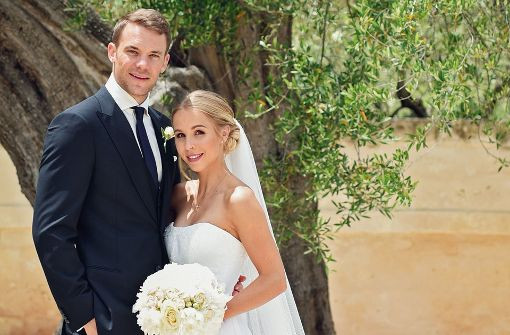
x: 143, y: 140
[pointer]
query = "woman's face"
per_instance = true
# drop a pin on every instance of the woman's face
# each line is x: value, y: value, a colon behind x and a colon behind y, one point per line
x: 198, y: 139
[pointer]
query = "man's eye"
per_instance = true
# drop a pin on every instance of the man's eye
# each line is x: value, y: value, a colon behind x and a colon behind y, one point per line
x: 132, y: 52
x: 155, y: 56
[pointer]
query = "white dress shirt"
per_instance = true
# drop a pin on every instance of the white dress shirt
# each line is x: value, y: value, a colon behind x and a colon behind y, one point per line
x: 125, y: 102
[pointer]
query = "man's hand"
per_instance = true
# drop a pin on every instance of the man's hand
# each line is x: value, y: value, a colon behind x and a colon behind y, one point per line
x: 239, y: 286
x: 91, y: 328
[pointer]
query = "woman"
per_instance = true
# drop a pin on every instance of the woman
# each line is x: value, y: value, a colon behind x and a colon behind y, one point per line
x: 222, y: 220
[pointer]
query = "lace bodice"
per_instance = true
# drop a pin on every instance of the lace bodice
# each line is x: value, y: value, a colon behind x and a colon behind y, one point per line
x: 208, y: 245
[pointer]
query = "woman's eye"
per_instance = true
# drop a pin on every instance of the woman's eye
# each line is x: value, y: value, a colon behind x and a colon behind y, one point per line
x: 179, y: 135
x: 199, y: 132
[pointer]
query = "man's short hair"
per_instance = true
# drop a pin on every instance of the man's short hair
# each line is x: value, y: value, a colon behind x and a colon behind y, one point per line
x: 147, y: 18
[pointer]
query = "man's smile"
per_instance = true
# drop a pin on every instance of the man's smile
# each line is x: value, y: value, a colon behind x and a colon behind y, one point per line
x: 139, y: 77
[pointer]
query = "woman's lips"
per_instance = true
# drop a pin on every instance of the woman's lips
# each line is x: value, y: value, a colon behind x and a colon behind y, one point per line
x: 194, y: 158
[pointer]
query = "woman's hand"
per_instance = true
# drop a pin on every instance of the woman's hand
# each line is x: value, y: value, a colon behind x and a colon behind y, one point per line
x: 239, y: 286
x: 91, y: 328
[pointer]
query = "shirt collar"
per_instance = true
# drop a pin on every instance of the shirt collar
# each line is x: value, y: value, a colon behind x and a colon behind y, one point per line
x: 122, y: 98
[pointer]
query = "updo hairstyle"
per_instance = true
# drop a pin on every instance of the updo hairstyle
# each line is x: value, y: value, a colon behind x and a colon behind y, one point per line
x: 217, y: 108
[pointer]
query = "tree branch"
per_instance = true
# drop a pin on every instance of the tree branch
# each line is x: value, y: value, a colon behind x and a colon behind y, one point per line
x: 406, y: 100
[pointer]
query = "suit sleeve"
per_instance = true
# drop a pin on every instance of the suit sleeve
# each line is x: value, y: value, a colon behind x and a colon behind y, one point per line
x: 64, y: 177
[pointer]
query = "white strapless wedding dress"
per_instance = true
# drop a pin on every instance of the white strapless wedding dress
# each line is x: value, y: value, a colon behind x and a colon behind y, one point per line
x: 211, y: 246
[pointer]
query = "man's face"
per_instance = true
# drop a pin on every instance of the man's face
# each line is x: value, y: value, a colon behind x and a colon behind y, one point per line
x: 138, y: 59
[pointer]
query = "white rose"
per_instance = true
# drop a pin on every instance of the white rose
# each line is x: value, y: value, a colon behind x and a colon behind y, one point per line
x: 168, y: 133
x: 171, y: 317
x: 149, y: 321
x: 199, y: 300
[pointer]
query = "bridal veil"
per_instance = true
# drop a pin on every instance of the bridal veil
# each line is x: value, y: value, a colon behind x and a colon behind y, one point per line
x: 280, y: 315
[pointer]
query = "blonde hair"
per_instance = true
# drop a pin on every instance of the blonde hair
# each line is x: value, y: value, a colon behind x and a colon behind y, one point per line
x: 218, y: 109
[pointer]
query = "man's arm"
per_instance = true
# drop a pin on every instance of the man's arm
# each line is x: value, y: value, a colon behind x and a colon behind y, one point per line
x: 64, y: 177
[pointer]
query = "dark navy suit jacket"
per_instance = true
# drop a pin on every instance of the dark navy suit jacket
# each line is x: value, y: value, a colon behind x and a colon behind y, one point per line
x: 98, y: 219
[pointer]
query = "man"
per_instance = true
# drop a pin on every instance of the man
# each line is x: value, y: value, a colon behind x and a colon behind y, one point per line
x: 104, y: 184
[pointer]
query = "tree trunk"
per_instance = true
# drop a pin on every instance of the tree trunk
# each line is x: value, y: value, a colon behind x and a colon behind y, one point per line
x: 307, y: 277
x: 45, y: 69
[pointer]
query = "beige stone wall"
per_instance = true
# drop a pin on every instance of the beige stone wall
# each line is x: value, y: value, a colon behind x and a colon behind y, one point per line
x: 439, y: 267
x: 26, y: 305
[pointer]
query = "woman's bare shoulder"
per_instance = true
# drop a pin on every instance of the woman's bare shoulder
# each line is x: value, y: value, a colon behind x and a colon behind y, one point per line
x: 242, y: 199
x: 237, y: 191
x: 241, y: 193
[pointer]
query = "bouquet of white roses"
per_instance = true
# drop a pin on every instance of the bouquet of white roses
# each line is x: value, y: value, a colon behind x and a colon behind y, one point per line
x: 181, y: 299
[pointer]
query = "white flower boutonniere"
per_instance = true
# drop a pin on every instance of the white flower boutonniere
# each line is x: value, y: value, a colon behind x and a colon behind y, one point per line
x: 168, y: 134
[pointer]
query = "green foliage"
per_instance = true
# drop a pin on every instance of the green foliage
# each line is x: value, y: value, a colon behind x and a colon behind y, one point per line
x: 338, y: 84
x: 320, y: 110
x: 197, y: 21
x: 336, y: 87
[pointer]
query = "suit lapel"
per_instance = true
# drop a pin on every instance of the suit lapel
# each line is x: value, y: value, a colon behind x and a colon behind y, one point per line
x: 122, y: 136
